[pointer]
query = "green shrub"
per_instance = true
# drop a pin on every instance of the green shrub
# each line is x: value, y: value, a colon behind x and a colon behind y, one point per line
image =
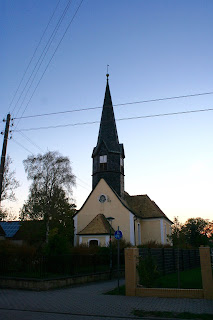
x: 57, y: 245
x: 147, y: 271
x: 8, y: 248
x: 154, y: 244
x: 84, y: 249
x: 123, y: 244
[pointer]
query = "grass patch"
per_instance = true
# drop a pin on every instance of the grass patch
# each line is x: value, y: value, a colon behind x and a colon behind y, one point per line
x: 189, y: 279
x: 176, y: 315
x: 121, y: 292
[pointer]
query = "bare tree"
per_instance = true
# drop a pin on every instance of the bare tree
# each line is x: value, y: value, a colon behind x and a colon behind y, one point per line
x: 9, y: 182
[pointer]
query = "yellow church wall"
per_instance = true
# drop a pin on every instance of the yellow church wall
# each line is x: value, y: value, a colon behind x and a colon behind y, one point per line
x: 156, y: 230
x: 168, y: 232
x: 145, y: 230
x: 138, y: 231
x: 112, y: 207
x: 151, y: 230
x: 101, y: 240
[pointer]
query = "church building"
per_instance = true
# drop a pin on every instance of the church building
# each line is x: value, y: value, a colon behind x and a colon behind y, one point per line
x: 108, y: 205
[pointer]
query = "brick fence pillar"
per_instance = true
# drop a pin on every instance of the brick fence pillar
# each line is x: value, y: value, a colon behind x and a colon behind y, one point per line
x: 131, y: 257
x: 206, y: 271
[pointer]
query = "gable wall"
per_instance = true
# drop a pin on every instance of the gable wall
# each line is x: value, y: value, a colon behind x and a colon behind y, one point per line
x: 151, y: 231
x: 155, y: 230
x: 168, y: 232
x: 111, y: 208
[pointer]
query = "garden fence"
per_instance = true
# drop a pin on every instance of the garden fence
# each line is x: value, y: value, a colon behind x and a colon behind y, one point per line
x: 168, y: 259
x: 56, y: 265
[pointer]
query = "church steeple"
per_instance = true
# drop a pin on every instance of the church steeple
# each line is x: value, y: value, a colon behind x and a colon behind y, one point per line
x: 108, y: 154
x: 108, y: 131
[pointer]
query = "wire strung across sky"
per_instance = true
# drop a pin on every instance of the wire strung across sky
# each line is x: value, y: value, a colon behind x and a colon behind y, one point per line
x: 115, y: 105
x: 40, y: 61
x: 30, y: 62
x: 31, y: 141
x: 78, y: 184
x: 121, y: 119
x: 59, y: 43
x: 20, y: 145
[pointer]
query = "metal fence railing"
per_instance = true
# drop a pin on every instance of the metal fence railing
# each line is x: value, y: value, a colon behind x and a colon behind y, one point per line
x: 56, y: 265
x: 168, y: 260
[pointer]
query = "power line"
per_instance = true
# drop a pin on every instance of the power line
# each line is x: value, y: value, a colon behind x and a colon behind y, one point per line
x: 83, y: 182
x: 33, y: 56
x: 55, y: 113
x: 52, y: 56
x: 59, y: 126
x: 82, y: 186
x: 121, y: 119
x: 42, y: 57
x: 22, y: 146
x: 115, y: 105
x: 32, y: 142
x: 169, y: 98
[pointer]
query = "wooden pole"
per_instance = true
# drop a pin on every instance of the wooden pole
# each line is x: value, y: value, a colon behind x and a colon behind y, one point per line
x: 3, y: 155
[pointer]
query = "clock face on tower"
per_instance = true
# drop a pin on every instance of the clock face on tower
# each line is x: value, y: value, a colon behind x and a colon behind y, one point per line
x: 102, y: 198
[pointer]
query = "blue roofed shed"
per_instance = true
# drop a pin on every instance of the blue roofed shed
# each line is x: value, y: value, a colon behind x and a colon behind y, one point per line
x: 10, y: 228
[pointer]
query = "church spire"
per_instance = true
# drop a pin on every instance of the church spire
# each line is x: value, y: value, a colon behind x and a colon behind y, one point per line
x: 108, y: 154
x: 108, y: 131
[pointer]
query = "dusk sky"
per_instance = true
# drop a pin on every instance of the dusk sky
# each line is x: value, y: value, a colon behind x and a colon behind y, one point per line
x: 155, y: 50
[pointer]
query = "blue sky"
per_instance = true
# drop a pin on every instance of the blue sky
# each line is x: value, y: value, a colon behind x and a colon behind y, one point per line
x: 154, y: 49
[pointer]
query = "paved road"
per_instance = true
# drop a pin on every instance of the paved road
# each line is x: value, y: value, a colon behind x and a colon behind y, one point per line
x: 87, y: 303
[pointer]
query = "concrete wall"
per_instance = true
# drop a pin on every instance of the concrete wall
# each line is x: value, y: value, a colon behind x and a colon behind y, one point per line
x: 48, y: 284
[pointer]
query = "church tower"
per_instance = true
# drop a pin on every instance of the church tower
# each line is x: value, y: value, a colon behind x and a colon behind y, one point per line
x: 108, y: 155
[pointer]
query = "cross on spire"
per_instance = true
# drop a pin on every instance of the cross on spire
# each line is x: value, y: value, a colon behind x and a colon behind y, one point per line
x: 107, y: 75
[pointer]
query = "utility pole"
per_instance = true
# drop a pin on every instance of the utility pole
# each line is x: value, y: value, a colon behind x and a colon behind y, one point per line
x: 3, y: 154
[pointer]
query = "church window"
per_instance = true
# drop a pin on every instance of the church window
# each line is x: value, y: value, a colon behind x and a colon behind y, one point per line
x: 103, y: 159
x: 103, y: 163
x: 102, y: 198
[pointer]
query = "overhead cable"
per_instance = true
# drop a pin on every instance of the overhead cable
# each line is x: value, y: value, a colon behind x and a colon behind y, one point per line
x: 22, y: 146
x: 52, y: 57
x: 44, y: 32
x: 115, y: 105
x: 41, y: 58
x: 121, y: 119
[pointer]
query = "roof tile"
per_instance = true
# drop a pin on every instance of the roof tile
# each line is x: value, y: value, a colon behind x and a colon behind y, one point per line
x: 99, y: 225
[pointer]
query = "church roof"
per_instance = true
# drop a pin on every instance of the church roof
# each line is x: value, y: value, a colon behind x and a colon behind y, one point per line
x: 108, y: 131
x: 99, y: 225
x: 10, y: 228
x: 143, y: 207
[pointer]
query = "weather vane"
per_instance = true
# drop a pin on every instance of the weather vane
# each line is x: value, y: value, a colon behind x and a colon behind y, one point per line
x: 107, y: 71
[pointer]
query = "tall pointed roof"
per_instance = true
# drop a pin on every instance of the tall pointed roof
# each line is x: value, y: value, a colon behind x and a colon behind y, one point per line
x: 108, y: 131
